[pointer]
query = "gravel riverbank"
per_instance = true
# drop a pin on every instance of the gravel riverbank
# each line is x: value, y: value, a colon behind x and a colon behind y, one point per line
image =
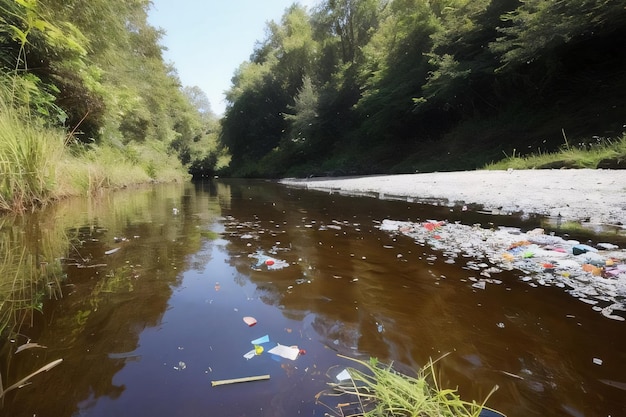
x: 594, y: 196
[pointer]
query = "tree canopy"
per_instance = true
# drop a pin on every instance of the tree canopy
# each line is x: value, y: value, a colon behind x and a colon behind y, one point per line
x: 96, y: 69
x: 398, y: 85
x: 349, y: 86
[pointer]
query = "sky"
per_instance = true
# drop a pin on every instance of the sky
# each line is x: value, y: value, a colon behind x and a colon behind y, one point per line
x: 207, y: 40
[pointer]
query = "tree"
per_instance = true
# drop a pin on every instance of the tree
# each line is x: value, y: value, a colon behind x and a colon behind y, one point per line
x: 395, y: 69
x: 253, y: 124
x: 342, y: 28
x: 42, y: 54
x: 359, y: 79
x: 537, y: 27
x: 264, y: 88
x: 200, y: 101
x: 301, y: 142
x: 352, y: 21
x: 461, y: 58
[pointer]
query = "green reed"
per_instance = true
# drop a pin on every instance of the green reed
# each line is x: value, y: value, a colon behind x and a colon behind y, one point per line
x: 29, y: 153
x: 37, y: 166
x: 381, y: 391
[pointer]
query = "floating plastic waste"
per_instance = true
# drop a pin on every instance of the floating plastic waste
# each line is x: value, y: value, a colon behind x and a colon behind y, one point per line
x: 250, y: 321
x: 287, y: 352
x: 265, y: 261
x: 343, y: 375
x: 258, y: 349
x: 594, y: 274
x: 261, y: 340
x: 238, y: 380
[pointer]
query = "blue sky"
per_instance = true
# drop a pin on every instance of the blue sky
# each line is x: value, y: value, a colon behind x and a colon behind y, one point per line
x: 207, y: 40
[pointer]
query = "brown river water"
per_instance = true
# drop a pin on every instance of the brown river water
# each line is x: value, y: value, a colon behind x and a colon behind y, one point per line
x: 146, y: 290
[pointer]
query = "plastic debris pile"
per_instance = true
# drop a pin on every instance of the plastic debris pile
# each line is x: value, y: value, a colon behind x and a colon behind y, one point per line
x: 594, y: 274
x: 260, y: 346
x: 268, y: 262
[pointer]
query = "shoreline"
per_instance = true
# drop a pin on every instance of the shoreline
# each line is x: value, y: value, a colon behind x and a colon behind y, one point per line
x: 594, y: 275
x: 592, y: 196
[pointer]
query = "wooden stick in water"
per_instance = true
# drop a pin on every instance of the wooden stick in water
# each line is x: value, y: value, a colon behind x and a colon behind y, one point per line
x: 237, y: 380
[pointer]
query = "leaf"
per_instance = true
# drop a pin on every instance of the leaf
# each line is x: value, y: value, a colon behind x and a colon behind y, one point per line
x: 24, y: 380
x: 28, y: 4
x: 29, y: 346
x: 40, y: 25
x: 18, y: 34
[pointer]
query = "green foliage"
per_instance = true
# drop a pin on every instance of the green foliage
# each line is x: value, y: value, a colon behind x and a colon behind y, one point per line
x: 98, y: 73
x: 249, y: 133
x: 208, y: 157
x: 29, y: 92
x: 351, y: 23
x: 538, y: 27
x: 27, y: 33
x: 463, y: 64
x: 38, y: 165
x: 302, y: 121
x: 271, y: 85
x: 378, y: 84
x: 28, y: 154
x: 377, y: 390
x: 293, y: 45
x: 401, y: 85
x: 198, y: 99
x: 264, y: 89
x: 395, y: 68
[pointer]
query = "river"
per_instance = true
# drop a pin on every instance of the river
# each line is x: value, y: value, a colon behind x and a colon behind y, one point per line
x: 143, y: 293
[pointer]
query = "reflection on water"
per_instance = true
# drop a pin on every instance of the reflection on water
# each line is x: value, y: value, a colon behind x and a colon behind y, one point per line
x: 155, y: 284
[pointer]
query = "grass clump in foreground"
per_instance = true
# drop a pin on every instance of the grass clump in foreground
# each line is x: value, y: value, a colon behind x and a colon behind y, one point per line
x: 381, y: 391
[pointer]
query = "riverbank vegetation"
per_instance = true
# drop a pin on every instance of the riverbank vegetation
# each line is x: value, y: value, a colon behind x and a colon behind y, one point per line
x: 603, y: 153
x: 377, y: 390
x: 37, y: 165
x: 87, y: 101
x: 347, y: 87
x: 369, y: 86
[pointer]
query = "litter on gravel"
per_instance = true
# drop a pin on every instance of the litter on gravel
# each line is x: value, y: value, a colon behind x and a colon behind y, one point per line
x: 594, y: 274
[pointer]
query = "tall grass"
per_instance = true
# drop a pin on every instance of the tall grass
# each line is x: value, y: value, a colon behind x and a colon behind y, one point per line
x: 38, y: 166
x: 28, y: 156
x: 376, y: 390
x: 109, y: 166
